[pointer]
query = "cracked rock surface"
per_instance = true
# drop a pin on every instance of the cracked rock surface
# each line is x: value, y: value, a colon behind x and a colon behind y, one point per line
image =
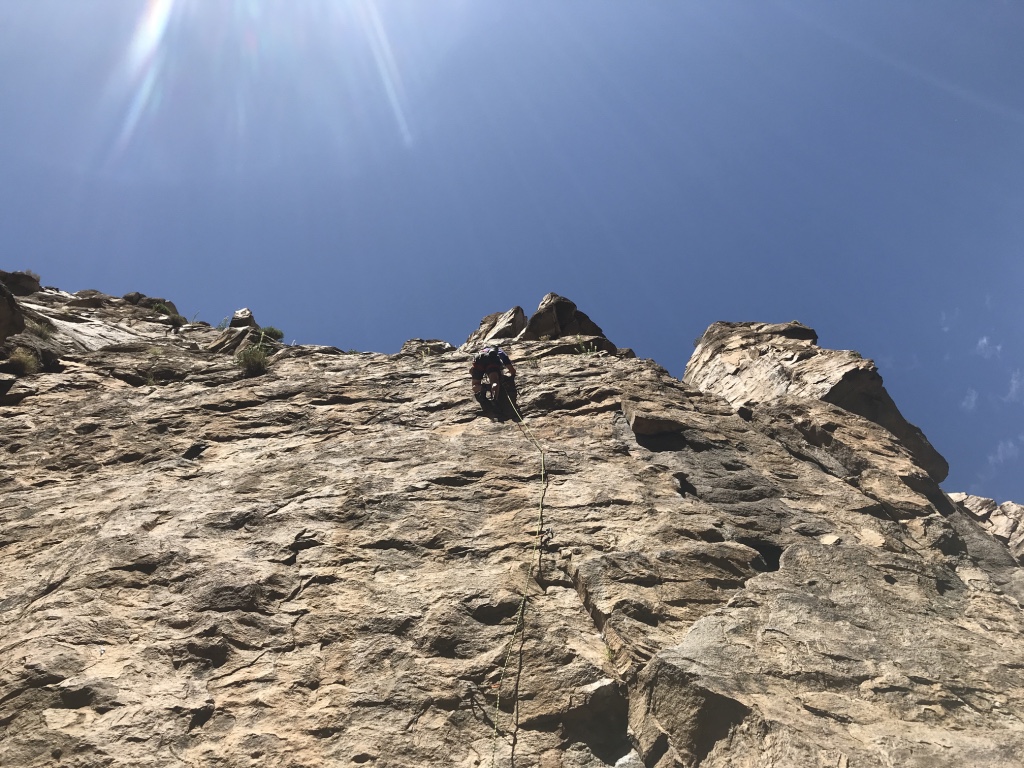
x: 343, y: 562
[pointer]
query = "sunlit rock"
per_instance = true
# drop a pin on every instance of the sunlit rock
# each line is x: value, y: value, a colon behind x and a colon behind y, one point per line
x: 343, y: 561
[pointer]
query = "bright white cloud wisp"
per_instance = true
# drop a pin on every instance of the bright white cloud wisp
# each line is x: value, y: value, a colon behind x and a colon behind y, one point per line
x: 970, y: 401
x: 1016, y: 387
x: 1005, y: 451
x: 987, y: 349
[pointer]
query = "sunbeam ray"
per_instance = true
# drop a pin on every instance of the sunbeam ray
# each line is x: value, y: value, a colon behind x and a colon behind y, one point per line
x: 143, y: 65
x: 149, y: 33
x: 389, y: 74
x: 249, y: 85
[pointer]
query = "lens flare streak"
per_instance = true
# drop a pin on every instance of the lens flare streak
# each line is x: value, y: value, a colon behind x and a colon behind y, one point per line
x: 149, y: 33
x: 247, y: 83
x: 143, y: 65
x: 389, y: 75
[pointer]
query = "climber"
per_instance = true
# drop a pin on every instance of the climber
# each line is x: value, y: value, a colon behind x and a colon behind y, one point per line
x: 489, y: 361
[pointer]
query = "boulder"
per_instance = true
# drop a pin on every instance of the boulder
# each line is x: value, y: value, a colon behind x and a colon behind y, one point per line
x: 21, y: 283
x: 243, y: 318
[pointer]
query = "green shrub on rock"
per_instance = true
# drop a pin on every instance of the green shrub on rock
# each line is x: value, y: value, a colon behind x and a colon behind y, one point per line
x: 272, y: 333
x: 43, y: 330
x: 23, y: 362
x: 253, y: 359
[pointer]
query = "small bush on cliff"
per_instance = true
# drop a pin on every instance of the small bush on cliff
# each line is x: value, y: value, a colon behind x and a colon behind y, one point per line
x: 23, y: 362
x: 253, y: 360
x: 41, y: 329
x: 586, y: 348
x: 176, y: 320
x: 272, y: 333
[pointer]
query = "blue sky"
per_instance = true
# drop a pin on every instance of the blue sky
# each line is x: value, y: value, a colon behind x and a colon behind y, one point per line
x: 359, y: 173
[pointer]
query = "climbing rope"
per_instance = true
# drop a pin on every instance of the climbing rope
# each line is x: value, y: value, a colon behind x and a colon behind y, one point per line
x: 519, y: 626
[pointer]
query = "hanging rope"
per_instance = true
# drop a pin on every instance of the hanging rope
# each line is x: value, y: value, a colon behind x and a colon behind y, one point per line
x: 519, y: 626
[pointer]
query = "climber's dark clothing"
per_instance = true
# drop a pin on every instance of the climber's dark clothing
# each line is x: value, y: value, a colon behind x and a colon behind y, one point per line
x: 489, y: 360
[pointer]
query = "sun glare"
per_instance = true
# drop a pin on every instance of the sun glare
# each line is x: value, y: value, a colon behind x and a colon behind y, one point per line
x: 148, y: 34
x: 250, y: 80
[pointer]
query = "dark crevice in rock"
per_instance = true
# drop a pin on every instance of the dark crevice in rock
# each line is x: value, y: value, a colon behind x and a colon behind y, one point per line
x: 668, y: 441
x: 77, y: 698
x: 227, y: 406
x: 194, y: 451
x: 495, y: 613
x: 818, y: 436
x: 770, y: 553
x: 304, y: 540
x: 400, y: 544
x: 148, y: 568
x: 715, y: 720
x: 458, y: 480
x: 200, y: 717
x: 657, y: 751
x: 685, y: 486
x: 601, y: 724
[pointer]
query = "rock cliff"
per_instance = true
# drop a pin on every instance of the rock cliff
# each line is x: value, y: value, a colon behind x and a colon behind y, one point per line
x: 328, y: 558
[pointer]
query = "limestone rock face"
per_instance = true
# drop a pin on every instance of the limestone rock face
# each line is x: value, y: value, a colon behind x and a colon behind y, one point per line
x: 344, y: 562
x: 753, y: 363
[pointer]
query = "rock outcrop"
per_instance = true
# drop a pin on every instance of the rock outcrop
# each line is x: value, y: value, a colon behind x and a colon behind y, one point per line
x: 23, y: 283
x: 556, y: 318
x: 343, y: 562
x: 11, y: 319
x: 497, y: 327
x: 752, y: 363
x: 162, y: 306
x: 1004, y: 521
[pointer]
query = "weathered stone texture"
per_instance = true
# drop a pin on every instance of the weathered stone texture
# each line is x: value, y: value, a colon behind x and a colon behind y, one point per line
x: 11, y: 319
x: 500, y: 325
x: 327, y: 565
x: 1004, y: 521
x: 557, y: 317
x: 754, y: 363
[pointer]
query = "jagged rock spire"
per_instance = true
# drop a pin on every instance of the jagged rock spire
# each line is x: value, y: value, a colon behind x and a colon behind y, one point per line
x: 556, y: 318
x: 499, y: 325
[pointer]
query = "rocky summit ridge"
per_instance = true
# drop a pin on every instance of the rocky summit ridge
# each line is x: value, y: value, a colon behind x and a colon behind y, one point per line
x: 224, y: 551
